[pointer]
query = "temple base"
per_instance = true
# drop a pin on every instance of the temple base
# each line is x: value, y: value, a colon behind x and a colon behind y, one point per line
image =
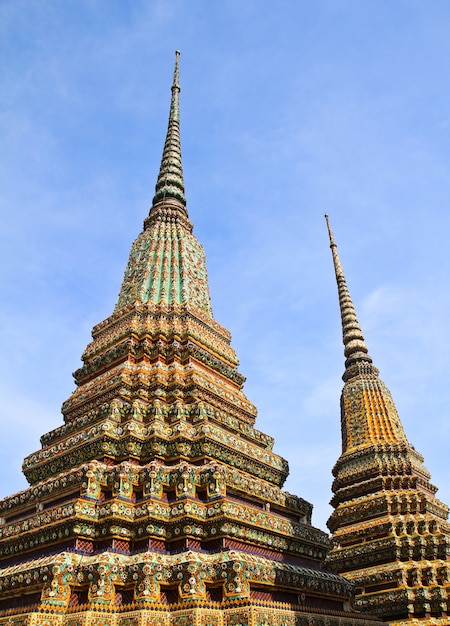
x: 242, y: 613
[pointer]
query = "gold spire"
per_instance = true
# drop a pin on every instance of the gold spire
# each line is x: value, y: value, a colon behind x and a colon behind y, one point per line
x: 369, y: 415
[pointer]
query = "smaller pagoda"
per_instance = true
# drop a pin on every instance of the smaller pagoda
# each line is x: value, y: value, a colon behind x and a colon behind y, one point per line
x: 391, y: 536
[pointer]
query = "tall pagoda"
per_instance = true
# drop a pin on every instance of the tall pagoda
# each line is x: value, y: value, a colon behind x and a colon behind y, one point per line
x: 391, y: 536
x: 157, y: 501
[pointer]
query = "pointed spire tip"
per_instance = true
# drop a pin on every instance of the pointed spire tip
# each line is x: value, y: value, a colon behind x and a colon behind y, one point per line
x: 355, y: 349
x: 176, y: 72
x: 170, y: 183
x: 330, y: 232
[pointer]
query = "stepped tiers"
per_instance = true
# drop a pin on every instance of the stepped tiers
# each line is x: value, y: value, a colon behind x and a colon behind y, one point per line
x: 158, y: 502
x: 390, y: 532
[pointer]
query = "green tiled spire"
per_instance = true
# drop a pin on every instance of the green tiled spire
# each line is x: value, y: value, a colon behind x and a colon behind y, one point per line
x: 167, y: 263
x: 170, y: 183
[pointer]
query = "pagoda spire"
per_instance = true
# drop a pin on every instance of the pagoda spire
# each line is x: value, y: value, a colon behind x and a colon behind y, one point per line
x: 167, y: 263
x: 369, y: 415
x: 355, y: 349
x: 170, y: 183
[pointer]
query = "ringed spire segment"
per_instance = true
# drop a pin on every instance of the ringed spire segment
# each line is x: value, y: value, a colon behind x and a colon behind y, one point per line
x: 368, y: 413
x: 170, y: 183
x: 355, y: 349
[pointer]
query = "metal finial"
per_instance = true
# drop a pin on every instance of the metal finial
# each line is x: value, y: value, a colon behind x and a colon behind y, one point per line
x: 330, y: 232
x: 176, y: 74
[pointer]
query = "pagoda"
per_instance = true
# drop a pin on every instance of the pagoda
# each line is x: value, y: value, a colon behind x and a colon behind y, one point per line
x: 157, y: 501
x: 391, y: 536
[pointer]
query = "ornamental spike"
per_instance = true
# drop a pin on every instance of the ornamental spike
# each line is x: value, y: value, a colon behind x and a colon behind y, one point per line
x: 355, y: 349
x: 170, y: 184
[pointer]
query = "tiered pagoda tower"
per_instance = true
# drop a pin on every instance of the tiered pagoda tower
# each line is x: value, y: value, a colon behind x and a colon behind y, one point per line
x: 158, y: 502
x: 390, y: 532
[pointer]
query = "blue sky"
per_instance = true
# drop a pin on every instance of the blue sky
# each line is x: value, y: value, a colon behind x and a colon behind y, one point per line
x: 289, y: 110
